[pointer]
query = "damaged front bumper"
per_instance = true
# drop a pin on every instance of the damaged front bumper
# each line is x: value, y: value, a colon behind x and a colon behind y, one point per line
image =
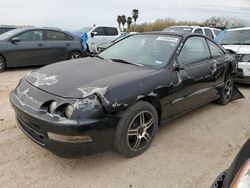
x: 64, y: 137
x: 243, y: 73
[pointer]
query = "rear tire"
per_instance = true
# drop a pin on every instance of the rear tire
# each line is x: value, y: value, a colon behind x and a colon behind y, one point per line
x: 75, y: 55
x: 136, y: 129
x: 226, y: 91
x: 2, y: 64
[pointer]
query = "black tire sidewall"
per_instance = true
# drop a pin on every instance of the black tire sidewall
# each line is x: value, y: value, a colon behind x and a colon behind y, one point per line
x: 120, y: 138
x: 4, y: 64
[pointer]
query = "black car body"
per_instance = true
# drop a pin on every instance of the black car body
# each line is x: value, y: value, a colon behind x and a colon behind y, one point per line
x: 30, y: 46
x: 6, y: 28
x: 237, y: 175
x: 102, y: 90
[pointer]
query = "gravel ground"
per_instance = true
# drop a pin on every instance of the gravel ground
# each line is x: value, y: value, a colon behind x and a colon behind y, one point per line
x: 188, y: 152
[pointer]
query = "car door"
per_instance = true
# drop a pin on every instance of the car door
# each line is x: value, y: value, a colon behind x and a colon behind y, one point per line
x: 57, y: 46
x: 196, y: 81
x: 28, y: 51
x: 111, y: 34
x: 98, y: 38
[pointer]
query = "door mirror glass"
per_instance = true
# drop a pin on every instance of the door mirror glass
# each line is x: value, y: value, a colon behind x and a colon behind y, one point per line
x: 93, y: 34
x: 15, y: 40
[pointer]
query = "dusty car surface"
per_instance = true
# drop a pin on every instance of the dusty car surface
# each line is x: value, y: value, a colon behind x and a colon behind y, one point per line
x: 238, y: 174
x: 30, y: 46
x: 121, y: 96
x: 238, y: 40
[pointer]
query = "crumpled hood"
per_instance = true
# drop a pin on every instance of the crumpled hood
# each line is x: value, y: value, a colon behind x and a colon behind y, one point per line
x: 83, y: 77
x: 239, y: 49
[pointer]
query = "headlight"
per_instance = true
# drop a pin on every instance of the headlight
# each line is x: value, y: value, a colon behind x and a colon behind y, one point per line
x: 245, y: 58
x: 52, y: 106
x: 69, y: 109
x: 242, y: 179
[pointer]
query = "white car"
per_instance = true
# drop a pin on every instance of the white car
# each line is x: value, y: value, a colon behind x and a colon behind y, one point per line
x: 100, y: 35
x: 207, y: 31
x: 238, y: 40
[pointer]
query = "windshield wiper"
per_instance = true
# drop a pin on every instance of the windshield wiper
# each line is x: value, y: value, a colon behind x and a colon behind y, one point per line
x: 126, y: 62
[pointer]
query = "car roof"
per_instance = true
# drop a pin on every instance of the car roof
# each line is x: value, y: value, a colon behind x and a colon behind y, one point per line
x: 180, y: 34
x: 8, y: 26
x: 192, y: 26
x: 239, y: 29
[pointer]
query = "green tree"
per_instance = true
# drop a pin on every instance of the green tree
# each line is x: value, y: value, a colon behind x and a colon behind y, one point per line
x: 135, y: 15
x: 129, y: 22
x: 124, y: 20
x: 119, y: 21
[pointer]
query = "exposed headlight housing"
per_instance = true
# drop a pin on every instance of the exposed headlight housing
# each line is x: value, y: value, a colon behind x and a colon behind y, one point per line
x: 70, y: 139
x: 52, y: 107
x: 69, y: 110
x: 242, y: 179
x: 245, y: 58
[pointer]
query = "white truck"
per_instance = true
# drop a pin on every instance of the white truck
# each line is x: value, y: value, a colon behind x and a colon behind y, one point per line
x: 100, y: 35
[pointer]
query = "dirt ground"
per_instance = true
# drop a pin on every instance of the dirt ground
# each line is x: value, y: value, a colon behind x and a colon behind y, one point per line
x: 187, y: 153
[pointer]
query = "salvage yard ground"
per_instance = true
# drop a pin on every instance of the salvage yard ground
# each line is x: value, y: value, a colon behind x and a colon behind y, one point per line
x: 188, y: 152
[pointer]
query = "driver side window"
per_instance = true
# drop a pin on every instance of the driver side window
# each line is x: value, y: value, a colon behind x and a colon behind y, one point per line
x: 194, y: 51
x: 34, y: 35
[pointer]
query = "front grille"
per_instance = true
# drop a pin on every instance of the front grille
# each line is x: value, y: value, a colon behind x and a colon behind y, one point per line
x: 32, y: 131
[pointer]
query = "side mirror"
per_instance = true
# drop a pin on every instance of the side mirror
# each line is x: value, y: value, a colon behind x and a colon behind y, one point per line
x: 229, y: 51
x: 92, y: 34
x: 178, y: 67
x: 15, y: 40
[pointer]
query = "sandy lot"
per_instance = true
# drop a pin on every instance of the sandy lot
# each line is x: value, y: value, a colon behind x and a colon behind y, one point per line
x: 186, y: 153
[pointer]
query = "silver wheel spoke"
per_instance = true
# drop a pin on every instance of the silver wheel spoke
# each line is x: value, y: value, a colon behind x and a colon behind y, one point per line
x: 149, y: 123
x: 137, y: 143
x: 147, y: 137
x: 142, y: 119
x: 133, y: 132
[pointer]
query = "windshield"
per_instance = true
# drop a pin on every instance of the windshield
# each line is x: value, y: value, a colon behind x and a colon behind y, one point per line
x: 179, y: 29
x: 151, y: 50
x: 86, y: 29
x: 236, y: 37
x: 10, y: 33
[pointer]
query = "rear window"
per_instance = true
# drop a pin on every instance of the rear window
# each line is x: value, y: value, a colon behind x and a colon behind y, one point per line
x: 55, y: 36
x: 198, y: 31
x: 111, y: 31
x: 179, y: 29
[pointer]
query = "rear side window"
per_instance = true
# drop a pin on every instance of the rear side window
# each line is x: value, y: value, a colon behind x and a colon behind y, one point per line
x: 209, y: 33
x: 198, y: 31
x: 195, y: 50
x: 33, y: 35
x: 217, y: 31
x: 111, y: 31
x: 100, y: 31
x: 56, y: 35
x: 215, y: 50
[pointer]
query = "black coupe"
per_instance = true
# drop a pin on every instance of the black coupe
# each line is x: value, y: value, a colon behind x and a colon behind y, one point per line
x: 119, y: 97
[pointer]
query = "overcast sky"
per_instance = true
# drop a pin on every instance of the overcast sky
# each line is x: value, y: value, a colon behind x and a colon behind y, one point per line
x: 74, y: 14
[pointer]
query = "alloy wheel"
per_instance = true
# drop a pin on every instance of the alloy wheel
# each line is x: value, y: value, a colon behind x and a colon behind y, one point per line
x: 228, y: 88
x: 140, y: 130
x: 75, y: 56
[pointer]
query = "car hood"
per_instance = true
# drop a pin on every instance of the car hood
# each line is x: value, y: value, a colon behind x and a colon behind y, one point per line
x: 239, y: 49
x: 83, y: 77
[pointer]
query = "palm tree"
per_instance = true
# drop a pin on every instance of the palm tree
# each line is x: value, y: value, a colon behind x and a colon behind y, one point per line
x: 124, y: 20
x: 119, y: 20
x: 135, y: 15
x: 129, y: 22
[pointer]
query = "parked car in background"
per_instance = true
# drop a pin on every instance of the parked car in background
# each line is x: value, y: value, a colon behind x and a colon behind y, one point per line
x: 238, y: 40
x: 207, y: 31
x: 6, y: 28
x: 119, y: 97
x: 37, y: 46
x: 238, y: 174
x: 99, y: 35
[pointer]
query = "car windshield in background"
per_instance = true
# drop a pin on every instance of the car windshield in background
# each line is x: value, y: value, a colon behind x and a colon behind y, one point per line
x: 179, y: 29
x: 86, y: 29
x: 10, y: 33
x: 151, y: 50
x: 236, y: 37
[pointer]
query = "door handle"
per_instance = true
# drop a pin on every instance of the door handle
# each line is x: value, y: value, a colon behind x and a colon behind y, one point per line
x: 40, y: 45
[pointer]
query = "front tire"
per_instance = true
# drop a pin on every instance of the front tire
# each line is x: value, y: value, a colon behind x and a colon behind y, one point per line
x: 226, y: 91
x: 136, y: 129
x: 2, y: 64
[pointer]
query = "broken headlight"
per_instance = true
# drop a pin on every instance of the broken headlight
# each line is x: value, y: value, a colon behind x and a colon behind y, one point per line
x: 245, y: 58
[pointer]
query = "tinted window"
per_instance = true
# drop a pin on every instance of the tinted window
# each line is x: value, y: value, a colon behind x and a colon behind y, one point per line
x: 151, y: 50
x: 194, y: 50
x: 31, y: 36
x: 198, y: 31
x: 100, y: 31
x: 215, y: 50
x: 111, y: 31
x: 209, y: 33
x: 55, y: 35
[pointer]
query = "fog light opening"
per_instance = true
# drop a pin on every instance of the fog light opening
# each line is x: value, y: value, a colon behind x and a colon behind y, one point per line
x: 70, y: 139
